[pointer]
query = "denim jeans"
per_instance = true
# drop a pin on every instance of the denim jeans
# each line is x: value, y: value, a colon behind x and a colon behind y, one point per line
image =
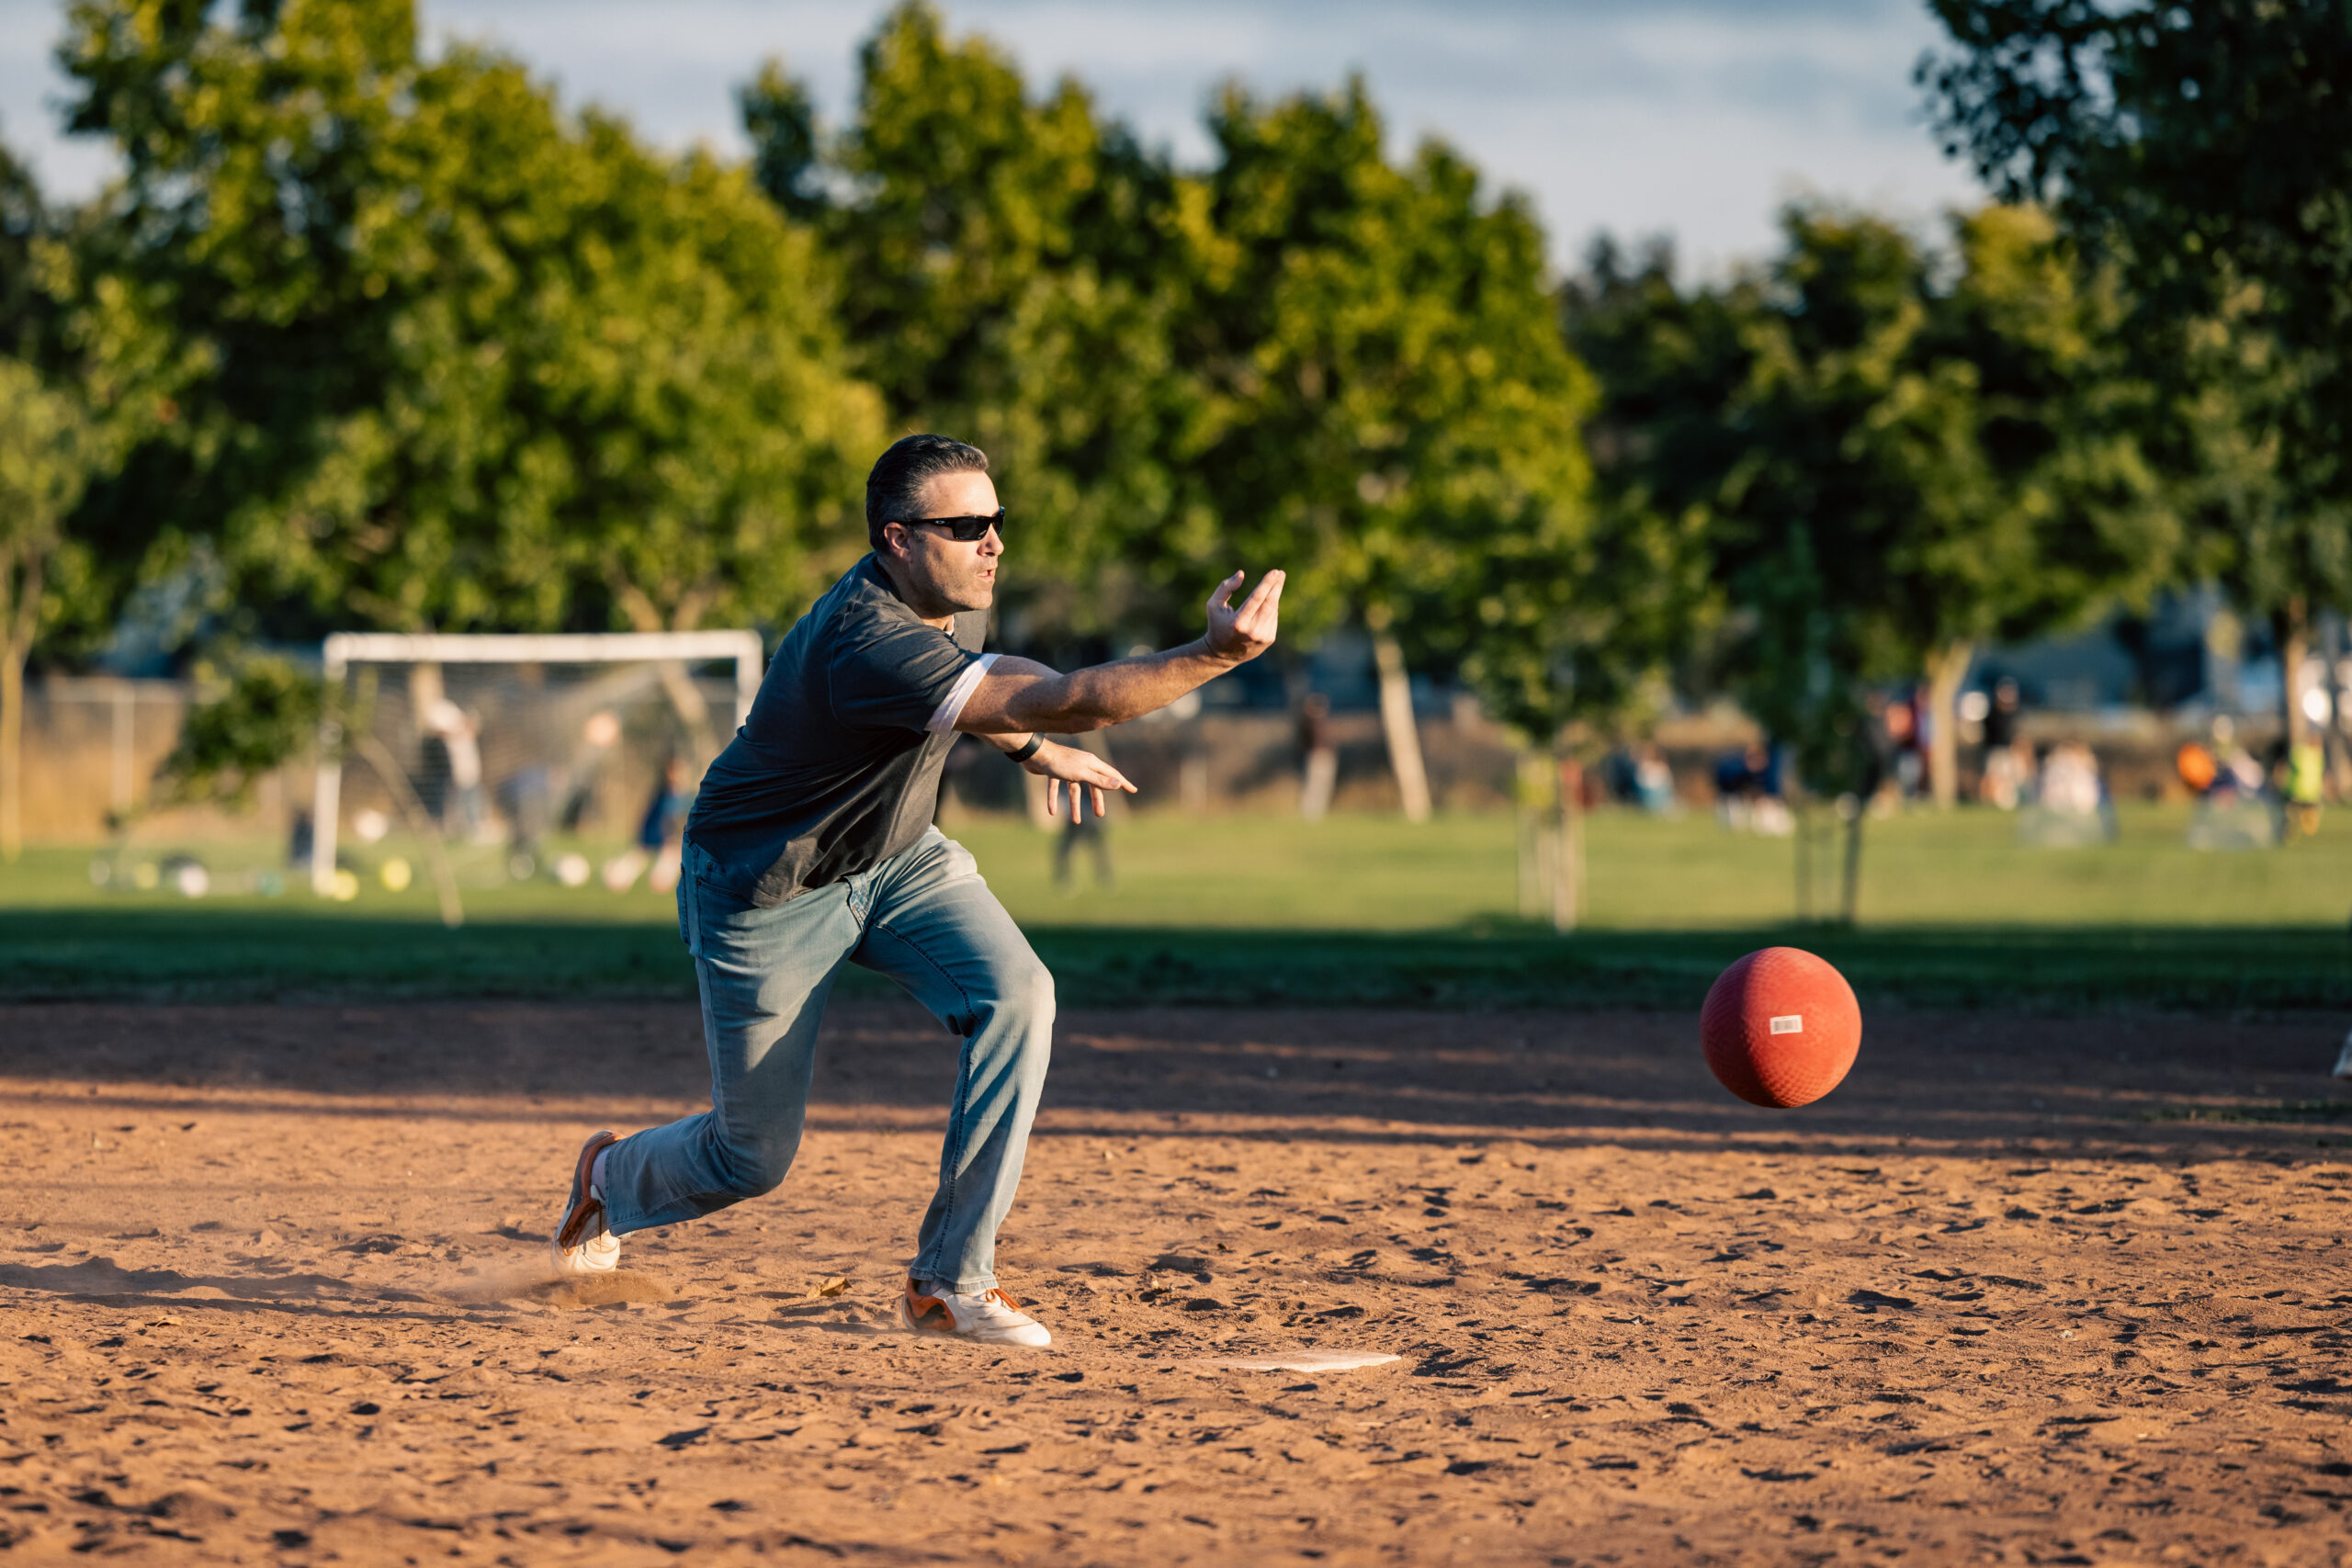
x: 926, y: 920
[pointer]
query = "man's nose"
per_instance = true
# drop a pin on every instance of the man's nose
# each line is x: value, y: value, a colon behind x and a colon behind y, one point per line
x: 992, y: 542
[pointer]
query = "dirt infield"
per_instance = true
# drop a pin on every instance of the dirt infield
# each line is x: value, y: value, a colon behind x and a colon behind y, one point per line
x: 271, y: 1293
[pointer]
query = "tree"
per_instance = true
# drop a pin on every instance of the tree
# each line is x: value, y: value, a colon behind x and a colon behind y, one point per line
x: 45, y: 458
x: 2208, y: 148
x: 1301, y: 356
x: 1012, y: 276
x: 1965, y: 460
x: 442, y: 356
x: 1390, y: 411
x: 2072, y: 517
x: 1886, y: 469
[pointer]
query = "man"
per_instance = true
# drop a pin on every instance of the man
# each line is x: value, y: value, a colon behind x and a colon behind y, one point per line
x: 811, y: 844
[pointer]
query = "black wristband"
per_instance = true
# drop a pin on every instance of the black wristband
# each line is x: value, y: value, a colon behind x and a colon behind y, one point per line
x: 1026, y: 752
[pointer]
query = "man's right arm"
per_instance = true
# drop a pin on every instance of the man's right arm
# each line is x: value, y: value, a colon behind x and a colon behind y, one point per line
x: 1020, y: 695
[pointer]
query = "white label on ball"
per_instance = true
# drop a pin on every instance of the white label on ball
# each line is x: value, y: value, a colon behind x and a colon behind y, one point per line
x: 1789, y: 1023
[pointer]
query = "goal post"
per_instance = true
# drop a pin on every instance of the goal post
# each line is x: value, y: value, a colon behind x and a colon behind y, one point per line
x: 668, y: 651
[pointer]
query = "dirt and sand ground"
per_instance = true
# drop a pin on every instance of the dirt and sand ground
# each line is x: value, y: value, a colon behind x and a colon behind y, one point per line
x: 270, y: 1277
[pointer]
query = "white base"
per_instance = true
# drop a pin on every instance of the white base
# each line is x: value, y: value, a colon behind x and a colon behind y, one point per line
x: 1303, y: 1362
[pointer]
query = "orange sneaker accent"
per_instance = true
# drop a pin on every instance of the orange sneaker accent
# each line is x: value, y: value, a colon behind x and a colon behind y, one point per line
x: 925, y: 1315
x: 929, y: 1315
x: 585, y: 1213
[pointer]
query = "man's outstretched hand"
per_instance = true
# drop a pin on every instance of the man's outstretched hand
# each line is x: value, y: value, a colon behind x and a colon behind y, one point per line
x: 1241, y: 634
x: 1068, y: 768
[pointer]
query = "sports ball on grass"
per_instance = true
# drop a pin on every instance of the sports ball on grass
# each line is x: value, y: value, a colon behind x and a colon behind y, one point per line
x: 1780, y: 1027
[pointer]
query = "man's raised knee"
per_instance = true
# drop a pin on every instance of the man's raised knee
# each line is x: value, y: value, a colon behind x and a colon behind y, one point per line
x: 1029, y: 994
x: 757, y: 1168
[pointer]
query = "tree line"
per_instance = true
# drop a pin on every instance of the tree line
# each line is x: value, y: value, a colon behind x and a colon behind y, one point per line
x: 390, y: 338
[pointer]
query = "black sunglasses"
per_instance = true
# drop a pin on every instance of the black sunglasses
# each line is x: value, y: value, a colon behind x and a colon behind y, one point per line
x: 963, y: 530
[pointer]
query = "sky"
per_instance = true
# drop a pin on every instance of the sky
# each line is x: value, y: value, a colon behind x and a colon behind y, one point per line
x: 1694, y: 119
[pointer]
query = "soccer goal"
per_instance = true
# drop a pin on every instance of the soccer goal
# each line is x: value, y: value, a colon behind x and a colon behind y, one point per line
x: 494, y: 742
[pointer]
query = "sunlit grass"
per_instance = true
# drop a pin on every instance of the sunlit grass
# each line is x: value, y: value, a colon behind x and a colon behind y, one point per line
x: 1379, y: 874
x: 1356, y: 910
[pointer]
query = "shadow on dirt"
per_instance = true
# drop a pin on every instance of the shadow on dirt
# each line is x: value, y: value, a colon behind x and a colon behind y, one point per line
x: 1978, y: 1081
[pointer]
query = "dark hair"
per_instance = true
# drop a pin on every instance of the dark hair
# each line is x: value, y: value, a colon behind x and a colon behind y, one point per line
x: 894, y: 490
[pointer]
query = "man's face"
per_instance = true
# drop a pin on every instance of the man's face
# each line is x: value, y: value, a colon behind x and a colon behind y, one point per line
x: 941, y: 574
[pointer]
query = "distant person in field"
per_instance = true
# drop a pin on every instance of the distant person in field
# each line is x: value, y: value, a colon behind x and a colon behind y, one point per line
x: 660, y: 833
x: 1086, y: 830
x: 460, y: 734
x: 2069, y: 783
x: 2009, y: 761
x: 1319, y: 757
x: 1653, y: 780
x: 2305, y: 786
x: 811, y: 846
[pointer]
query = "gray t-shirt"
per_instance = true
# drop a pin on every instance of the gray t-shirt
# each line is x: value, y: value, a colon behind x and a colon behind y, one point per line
x: 837, y: 767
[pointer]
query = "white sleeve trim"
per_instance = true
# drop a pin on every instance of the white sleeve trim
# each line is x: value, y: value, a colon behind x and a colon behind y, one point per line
x: 951, y: 706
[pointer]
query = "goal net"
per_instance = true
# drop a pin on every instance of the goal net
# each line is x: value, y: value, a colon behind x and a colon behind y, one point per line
x: 516, y: 758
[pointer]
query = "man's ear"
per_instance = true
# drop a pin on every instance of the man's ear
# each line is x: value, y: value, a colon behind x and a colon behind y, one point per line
x: 894, y: 544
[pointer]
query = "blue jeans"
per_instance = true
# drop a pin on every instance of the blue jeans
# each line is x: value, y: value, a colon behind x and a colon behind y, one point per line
x: 926, y: 920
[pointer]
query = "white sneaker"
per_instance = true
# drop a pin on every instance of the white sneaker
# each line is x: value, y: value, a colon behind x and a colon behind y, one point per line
x: 989, y: 1318
x: 2343, y: 1059
x: 581, y: 1244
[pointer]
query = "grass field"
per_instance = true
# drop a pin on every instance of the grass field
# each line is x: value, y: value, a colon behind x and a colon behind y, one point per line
x: 1954, y: 911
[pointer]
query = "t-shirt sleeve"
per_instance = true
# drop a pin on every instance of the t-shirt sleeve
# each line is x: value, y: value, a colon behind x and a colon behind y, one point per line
x: 906, y: 678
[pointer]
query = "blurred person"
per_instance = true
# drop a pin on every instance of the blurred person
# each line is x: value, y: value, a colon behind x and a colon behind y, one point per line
x: 661, y: 831
x: 2072, y: 807
x: 598, y: 737
x: 2236, y: 775
x: 460, y: 733
x: 1768, y: 807
x: 2008, y: 760
x: 1653, y: 780
x: 1620, y: 776
x: 2003, y: 713
x: 1735, y: 783
x: 811, y: 846
x: 2069, y: 783
x: 1319, y: 758
x: 1885, y: 722
x: 1080, y: 831
x: 2306, y: 787
x: 1899, y: 754
x: 2196, y: 767
x: 2238, y: 809
x: 526, y: 796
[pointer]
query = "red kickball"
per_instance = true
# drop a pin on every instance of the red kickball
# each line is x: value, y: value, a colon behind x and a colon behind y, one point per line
x: 1780, y: 1027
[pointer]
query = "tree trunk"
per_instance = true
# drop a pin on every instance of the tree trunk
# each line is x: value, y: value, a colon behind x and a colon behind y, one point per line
x: 1568, y: 885
x: 1946, y: 670
x: 1396, y: 725
x: 16, y: 647
x: 1804, y: 837
x: 1533, y: 814
x: 2293, y: 627
x: 1849, y: 897
x: 12, y: 750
